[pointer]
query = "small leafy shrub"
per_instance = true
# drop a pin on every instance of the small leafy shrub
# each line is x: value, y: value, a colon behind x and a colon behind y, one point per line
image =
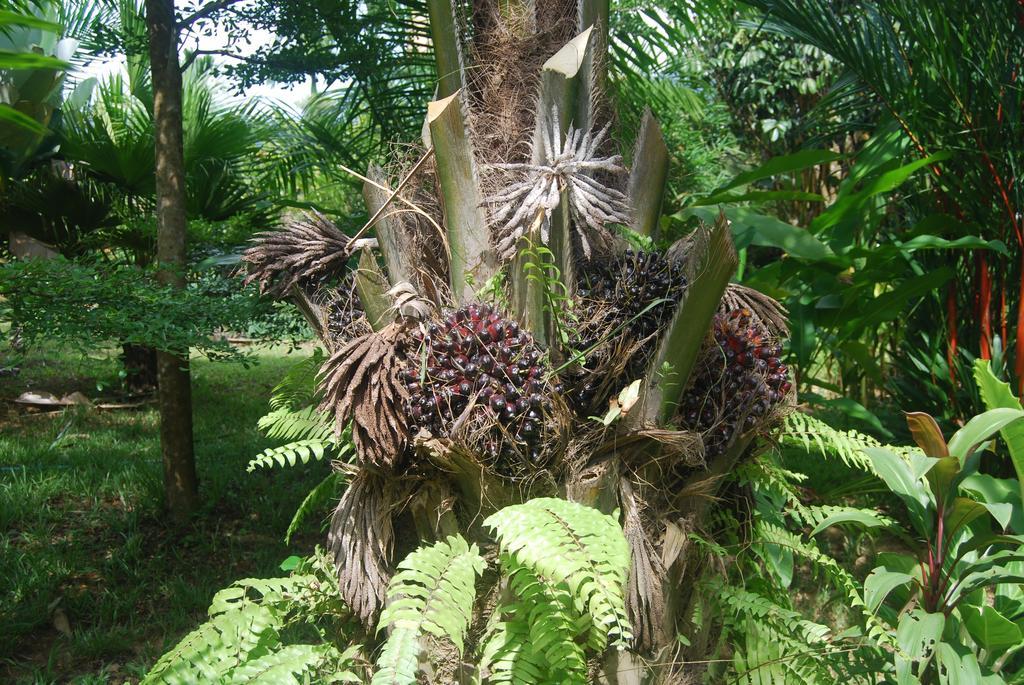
x: 276, y: 630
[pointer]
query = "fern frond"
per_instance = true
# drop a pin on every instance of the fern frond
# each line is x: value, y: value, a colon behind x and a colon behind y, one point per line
x: 507, y: 655
x: 241, y: 643
x: 566, y: 542
x: 323, y: 493
x: 307, y: 423
x: 805, y: 431
x: 433, y: 593
x: 294, y: 665
x: 290, y: 454
x: 214, y: 648
x: 270, y: 593
x: 769, y: 533
x: 533, y: 636
x: 554, y: 624
x: 298, y: 386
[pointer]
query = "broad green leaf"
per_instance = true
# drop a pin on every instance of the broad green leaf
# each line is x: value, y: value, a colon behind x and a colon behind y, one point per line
x: 880, y: 582
x: 987, y: 578
x: 889, y: 305
x: 961, y: 669
x: 882, y: 183
x: 917, y: 635
x: 767, y: 231
x: 991, y: 629
x: 931, y: 242
x: 1000, y: 495
x: 903, y: 479
x: 759, y: 196
x: 981, y: 428
x: 941, y: 477
x: 979, y: 542
x: 997, y: 395
x: 29, y: 60
x: 781, y: 165
x: 8, y: 18
x: 864, y: 518
x: 961, y: 513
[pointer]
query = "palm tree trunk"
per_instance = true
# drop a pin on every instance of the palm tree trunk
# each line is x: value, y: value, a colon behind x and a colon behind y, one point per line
x: 175, y: 392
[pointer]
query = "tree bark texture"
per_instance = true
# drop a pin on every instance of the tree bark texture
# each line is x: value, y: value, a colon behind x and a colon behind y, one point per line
x: 175, y: 392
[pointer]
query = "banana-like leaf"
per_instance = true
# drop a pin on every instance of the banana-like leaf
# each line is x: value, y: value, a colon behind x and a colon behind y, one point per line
x: 981, y: 428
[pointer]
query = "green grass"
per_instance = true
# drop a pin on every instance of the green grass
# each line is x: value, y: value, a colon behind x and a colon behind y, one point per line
x: 83, y: 534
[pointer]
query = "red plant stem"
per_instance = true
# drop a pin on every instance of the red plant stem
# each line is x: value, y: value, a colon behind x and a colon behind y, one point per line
x: 985, y: 305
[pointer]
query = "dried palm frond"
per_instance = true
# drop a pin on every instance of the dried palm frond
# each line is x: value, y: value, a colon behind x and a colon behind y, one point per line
x: 360, y: 384
x: 361, y: 540
x: 572, y: 165
x: 765, y: 310
x: 304, y: 251
x: 645, y: 600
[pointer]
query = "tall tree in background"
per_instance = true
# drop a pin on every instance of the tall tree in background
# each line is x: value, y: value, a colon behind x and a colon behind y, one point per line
x: 175, y: 391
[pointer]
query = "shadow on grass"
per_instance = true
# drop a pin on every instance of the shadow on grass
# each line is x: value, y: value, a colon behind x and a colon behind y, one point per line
x: 95, y: 582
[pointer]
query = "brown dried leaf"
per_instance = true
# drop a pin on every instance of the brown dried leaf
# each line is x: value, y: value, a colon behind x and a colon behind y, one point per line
x: 360, y: 384
x: 361, y: 540
x: 645, y: 600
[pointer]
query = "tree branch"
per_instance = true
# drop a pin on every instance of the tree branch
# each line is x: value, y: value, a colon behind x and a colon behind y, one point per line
x: 205, y: 12
x: 192, y: 56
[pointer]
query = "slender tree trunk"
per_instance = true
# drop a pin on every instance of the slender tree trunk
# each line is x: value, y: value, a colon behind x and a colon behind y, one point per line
x: 175, y: 391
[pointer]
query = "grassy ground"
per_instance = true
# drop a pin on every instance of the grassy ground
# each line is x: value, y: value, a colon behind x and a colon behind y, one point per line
x: 94, y: 582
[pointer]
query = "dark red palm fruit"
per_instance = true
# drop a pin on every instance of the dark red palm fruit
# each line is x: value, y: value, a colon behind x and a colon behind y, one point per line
x: 737, y: 382
x: 475, y: 354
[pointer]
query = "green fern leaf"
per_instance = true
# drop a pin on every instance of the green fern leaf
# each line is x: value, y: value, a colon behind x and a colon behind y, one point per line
x: 292, y: 665
x: 308, y: 423
x: 840, y: 577
x: 298, y: 388
x: 211, y: 650
x: 290, y: 454
x: 553, y: 624
x: 270, y: 593
x: 508, y: 655
x: 433, y: 593
x: 316, y: 499
x: 566, y: 542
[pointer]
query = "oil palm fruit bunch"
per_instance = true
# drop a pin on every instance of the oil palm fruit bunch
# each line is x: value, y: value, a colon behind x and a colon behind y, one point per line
x: 639, y: 290
x: 476, y: 360
x: 344, y: 309
x: 632, y: 297
x: 737, y: 384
